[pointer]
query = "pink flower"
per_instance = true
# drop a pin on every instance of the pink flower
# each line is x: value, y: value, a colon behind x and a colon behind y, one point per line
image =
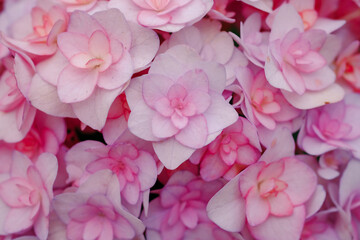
x: 39, y: 37
x: 265, y: 106
x: 254, y: 42
x: 16, y: 113
x: 133, y: 165
x: 348, y: 65
x: 178, y: 105
x: 26, y: 193
x: 94, y: 211
x: 96, y: 59
x: 179, y: 212
x: 295, y: 63
x: 268, y: 196
x: 46, y: 135
x: 334, y: 126
x: 165, y: 15
x: 212, y: 44
x: 233, y: 150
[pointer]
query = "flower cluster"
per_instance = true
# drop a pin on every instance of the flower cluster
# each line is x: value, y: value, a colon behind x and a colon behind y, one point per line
x: 179, y: 119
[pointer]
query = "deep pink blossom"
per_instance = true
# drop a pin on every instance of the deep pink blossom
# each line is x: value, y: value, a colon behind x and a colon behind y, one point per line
x: 233, y: 150
x: 178, y: 105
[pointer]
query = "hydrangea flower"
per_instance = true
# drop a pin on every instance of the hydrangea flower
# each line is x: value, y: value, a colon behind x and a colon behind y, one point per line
x: 179, y: 107
x: 165, y: 15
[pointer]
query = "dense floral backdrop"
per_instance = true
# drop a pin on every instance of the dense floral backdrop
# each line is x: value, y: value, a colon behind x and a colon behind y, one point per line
x: 179, y: 119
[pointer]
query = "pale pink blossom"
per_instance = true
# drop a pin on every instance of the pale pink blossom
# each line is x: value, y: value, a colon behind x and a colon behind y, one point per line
x: 94, y: 211
x: 179, y: 212
x: 26, y: 194
x: 232, y: 151
x: 36, y: 31
x: 16, y: 113
x: 295, y: 64
x: 333, y: 126
x: 165, y: 15
x: 254, y: 42
x: 129, y: 158
x: 178, y: 106
x: 332, y: 163
x: 212, y: 44
x: 97, y: 56
x: 268, y: 196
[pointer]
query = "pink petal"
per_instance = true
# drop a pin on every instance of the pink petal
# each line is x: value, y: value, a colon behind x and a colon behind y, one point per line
x: 248, y: 178
x: 220, y: 114
x: 82, y: 23
x: 294, y: 79
x: 190, y: 218
x: 320, y: 79
x: 163, y: 127
x: 147, y: 170
x: 349, y: 182
x: 212, y: 167
x: 274, y: 227
x: 195, y: 133
x: 71, y: 44
x: 47, y: 165
x: 155, y: 87
x: 18, y: 219
x: 190, y: 84
x: 44, y: 97
x: 286, y: 19
x: 76, y: 84
x: 117, y: 74
x: 301, y: 181
x: 257, y: 208
x: 131, y: 192
x: 227, y: 207
x: 200, y: 99
x: 280, y: 205
x: 152, y: 19
x: 313, y: 99
x: 93, y: 111
x: 93, y: 228
x: 144, y: 46
x: 172, y: 153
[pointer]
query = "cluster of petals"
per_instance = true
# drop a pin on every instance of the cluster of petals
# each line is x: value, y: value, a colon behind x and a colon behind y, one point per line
x: 179, y: 119
x: 233, y: 150
x: 179, y: 107
x: 26, y: 192
x: 165, y: 15
x: 180, y: 210
x: 134, y: 167
x: 267, y: 196
x: 331, y: 127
